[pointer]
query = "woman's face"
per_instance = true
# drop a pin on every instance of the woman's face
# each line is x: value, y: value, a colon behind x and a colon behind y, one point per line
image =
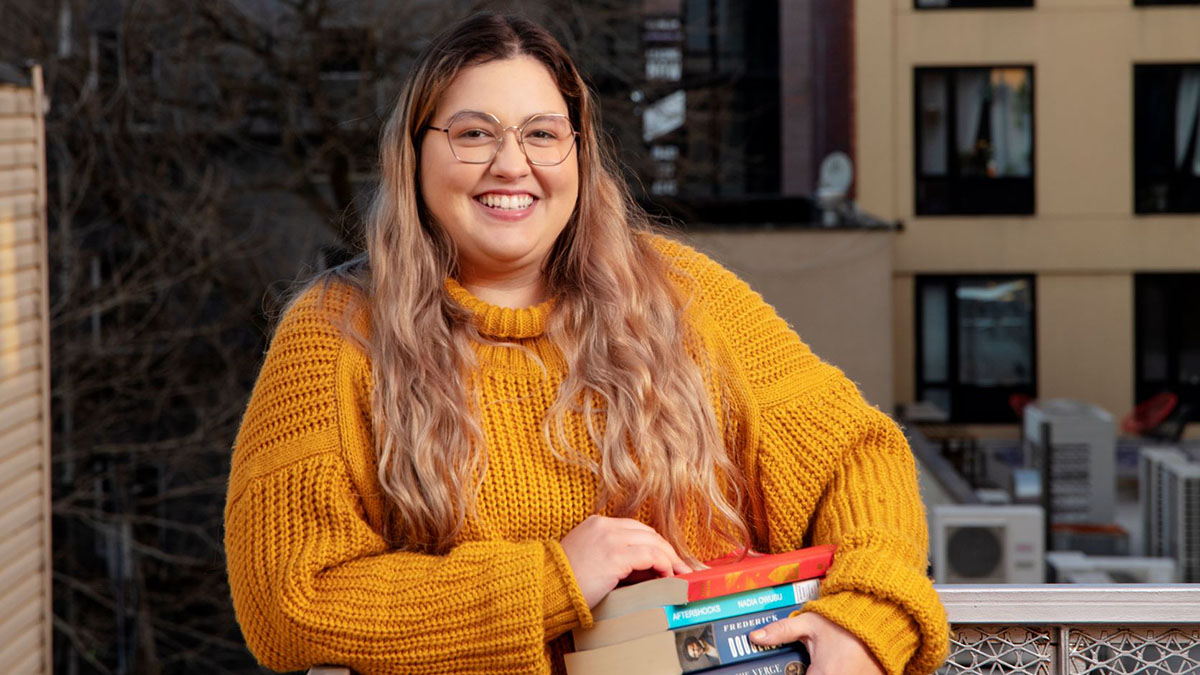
x: 496, y: 243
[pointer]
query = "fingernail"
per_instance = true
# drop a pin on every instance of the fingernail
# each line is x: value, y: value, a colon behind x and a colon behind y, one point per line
x: 758, y: 634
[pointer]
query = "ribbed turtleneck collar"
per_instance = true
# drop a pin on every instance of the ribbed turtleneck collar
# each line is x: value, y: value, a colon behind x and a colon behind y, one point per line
x: 502, y: 322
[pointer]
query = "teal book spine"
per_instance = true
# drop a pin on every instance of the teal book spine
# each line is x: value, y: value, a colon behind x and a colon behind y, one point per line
x: 748, y: 602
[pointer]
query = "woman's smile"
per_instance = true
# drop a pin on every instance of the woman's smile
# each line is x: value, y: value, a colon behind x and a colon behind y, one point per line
x: 507, y: 204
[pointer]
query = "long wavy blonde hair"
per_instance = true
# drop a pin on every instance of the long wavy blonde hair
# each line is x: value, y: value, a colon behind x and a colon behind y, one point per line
x: 618, y: 321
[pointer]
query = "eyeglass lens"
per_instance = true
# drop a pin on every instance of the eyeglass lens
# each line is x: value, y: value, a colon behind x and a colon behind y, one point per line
x: 474, y: 137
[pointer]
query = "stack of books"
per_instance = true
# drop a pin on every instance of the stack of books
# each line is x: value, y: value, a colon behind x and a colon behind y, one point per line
x: 702, y: 621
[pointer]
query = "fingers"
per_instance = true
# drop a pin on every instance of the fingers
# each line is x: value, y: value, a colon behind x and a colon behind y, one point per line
x: 646, y: 557
x: 664, y: 559
x: 833, y: 649
x: 648, y: 553
x: 792, y: 629
x: 630, y: 532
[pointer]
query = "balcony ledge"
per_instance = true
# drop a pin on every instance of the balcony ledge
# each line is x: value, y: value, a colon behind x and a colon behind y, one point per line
x: 1072, y: 603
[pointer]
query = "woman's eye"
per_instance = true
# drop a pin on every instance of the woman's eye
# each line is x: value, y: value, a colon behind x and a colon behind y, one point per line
x: 541, y: 135
x: 475, y: 133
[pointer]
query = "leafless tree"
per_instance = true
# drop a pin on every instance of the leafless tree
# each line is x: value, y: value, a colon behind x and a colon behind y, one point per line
x: 200, y: 154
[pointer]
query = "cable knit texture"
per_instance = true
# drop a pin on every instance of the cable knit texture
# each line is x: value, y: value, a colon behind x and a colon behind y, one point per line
x: 314, y: 580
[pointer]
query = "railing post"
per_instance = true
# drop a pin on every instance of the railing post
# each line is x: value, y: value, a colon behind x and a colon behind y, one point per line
x: 1047, y: 494
x: 1063, y: 651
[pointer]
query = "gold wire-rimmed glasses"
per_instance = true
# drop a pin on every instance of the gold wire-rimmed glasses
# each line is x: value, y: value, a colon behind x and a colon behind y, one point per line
x: 476, y: 137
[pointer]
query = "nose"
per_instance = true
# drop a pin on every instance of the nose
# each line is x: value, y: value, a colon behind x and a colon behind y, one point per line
x: 510, y: 161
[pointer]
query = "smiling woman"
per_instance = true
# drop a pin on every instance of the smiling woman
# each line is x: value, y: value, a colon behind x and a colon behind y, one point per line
x: 522, y: 394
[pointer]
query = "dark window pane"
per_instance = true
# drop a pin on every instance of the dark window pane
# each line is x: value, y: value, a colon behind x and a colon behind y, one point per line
x: 1011, y: 122
x: 934, y: 120
x: 995, y: 324
x: 1167, y: 320
x: 994, y: 133
x: 1152, y: 331
x: 972, y: 131
x: 699, y: 25
x: 935, y: 345
x: 1187, y: 115
x: 1189, y: 344
x: 731, y: 35
x: 1167, y: 138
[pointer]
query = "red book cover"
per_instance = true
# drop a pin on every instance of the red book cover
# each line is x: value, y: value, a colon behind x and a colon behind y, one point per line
x: 728, y: 574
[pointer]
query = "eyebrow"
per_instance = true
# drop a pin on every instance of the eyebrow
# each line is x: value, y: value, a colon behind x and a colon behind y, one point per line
x: 481, y: 112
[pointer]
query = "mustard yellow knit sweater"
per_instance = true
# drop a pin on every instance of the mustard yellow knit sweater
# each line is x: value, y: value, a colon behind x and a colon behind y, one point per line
x: 314, y: 582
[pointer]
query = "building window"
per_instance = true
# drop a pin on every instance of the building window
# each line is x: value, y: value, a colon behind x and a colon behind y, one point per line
x: 976, y: 345
x: 974, y: 140
x: 1167, y: 337
x: 1166, y: 138
x: 954, y: 4
x: 731, y: 70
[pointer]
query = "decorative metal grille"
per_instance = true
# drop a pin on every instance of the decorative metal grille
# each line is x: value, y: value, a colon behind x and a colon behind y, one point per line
x: 1145, y: 650
x: 1073, y: 629
x: 993, y: 650
x: 1090, y: 650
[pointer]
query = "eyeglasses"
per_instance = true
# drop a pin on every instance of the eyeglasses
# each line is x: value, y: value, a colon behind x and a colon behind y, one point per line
x: 476, y: 137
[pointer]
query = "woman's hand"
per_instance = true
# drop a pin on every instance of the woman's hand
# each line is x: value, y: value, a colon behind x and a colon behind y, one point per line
x: 603, y: 551
x: 833, y: 649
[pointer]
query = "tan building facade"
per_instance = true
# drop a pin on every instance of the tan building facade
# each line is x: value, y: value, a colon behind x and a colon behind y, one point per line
x: 25, y: 570
x: 829, y: 285
x: 1093, y: 230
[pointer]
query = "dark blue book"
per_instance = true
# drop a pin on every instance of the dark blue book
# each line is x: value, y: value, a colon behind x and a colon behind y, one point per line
x: 793, y: 661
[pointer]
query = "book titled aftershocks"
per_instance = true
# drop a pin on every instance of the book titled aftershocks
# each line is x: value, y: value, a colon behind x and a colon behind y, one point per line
x: 683, y: 650
x: 725, y: 576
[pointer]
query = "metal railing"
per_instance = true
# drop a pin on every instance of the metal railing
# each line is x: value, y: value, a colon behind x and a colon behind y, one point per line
x: 1073, y: 629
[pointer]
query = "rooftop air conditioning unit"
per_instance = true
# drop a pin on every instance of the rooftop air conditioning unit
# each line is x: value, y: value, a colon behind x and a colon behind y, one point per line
x: 1083, y: 458
x: 1183, y: 518
x: 980, y: 544
x: 1152, y: 497
x: 1074, y: 567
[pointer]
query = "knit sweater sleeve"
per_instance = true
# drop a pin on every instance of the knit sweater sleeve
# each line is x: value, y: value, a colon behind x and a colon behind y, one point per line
x: 828, y: 468
x: 313, y: 580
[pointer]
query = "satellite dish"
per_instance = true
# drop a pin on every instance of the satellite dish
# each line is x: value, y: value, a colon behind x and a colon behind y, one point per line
x: 837, y: 173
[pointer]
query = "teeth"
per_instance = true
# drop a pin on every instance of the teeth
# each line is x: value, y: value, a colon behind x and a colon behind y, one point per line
x: 509, y: 202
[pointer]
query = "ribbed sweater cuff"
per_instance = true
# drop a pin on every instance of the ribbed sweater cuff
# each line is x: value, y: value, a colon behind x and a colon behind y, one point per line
x: 890, y: 634
x: 563, y: 604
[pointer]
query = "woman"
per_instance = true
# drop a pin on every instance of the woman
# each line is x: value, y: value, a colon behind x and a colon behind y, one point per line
x: 459, y: 445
